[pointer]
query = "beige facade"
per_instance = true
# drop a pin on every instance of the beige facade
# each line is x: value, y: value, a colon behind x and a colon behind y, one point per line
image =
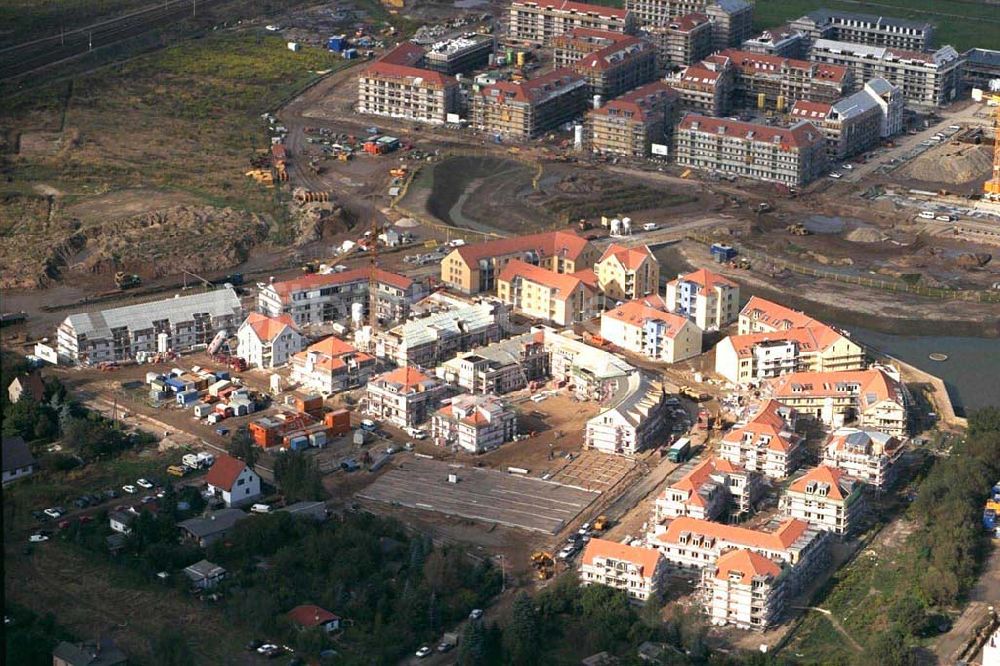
x: 405, y: 397
x: 637, y: 571
x: 396, y: 87
x: 474, y: 268
x: 766, y: 443
x: 682, y: 41
x: 731, y: 20
x: 643, y: 327
x: 744, y: 589
x: 631, y: 124
x: 627, y: 273
x: 524, y: 109
x: 539, y: 293
x: 776, y: 82
x: 706, y: 87
x: 826, y: 497
x: 331, y: 366
x: 538, y: 22
x: 708, y: 299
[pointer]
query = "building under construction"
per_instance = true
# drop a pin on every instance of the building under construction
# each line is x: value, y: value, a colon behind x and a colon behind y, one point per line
x: 617, y: 68
x: 706, y: 87
x: 539, y: 21
x: 397, y: 87
x: 523, y: 110
x: 632, y: 124
x: 774, y: 82
x: 460, y: 55
x: 681, y: 42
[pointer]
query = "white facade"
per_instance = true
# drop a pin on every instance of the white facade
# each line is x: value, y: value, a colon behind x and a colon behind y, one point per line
x: 767, y: 443
x: 403, y: 397
x: 708, y: 299
x: 636, y: 570
x: 266, y: 342
x: 245, y: 489
x: 474, y: 423
x: 636, y: 416
x: 744, y: 589
x: 868, y: 455
x: 661, y: 336
x: 825, y: 497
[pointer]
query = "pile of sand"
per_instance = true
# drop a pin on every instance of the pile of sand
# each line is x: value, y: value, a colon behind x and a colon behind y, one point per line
x: 865, y: 235
x: 953, y: 165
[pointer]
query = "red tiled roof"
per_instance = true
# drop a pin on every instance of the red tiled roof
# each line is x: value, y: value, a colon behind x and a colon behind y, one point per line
x: 569, y: 6
x: 427, y: 77
x: 268, y: 328
x: 644, y: 558
x: 332, y: 351
x: 316, y: 281
x: 629, y: 257
x: 224, y: 472
x: 564, y: 283
x: 407, y: 376
x: 705, y: 279
x: 747, y: 564
x: 831, y: 476
x: 873, y: 385
x: 688, y: 22
x: 807, y: 110
x: 774, y: 315
x: 529, y: 91
x: 587, y: 276
x: 546, y: 245
x: 638, y: 102
x: 767, y: 422
x: 309, y: 615
x: 407, y: 54
x: 611, y: 56
x: 779, y: 540
x: 636, y: 312
x: 751, y: 62
x: 589, y: 35
x: 799, y: 136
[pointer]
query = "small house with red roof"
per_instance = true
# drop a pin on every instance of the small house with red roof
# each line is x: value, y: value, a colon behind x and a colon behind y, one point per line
x: 404, y: 397
x: 268, y: 342
x: 308, y: 616
x: 627, y: 273
x: 474, y: 423
x: 710, y: 300
x: 827, y: 497
x: 233, y: 481
x: 636, y: 570
x: 745, y: 589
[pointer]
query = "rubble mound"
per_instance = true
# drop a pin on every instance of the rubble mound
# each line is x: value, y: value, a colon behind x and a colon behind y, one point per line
x: 973, y: 260
x: 954, y: 165
x: 865, y: 235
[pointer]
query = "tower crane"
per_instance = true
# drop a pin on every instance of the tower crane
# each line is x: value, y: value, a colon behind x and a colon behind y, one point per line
x: 991, y: 189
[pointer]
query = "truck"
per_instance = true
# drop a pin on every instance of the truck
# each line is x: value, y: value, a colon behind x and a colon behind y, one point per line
x: 680, y: 451
x: 190, y: 460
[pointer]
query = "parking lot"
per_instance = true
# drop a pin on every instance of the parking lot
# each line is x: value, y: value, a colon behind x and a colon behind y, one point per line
x: 480, y: 494
x: 593, y: 470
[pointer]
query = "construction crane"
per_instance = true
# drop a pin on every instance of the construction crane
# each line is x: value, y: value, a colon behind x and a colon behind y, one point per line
x: 373, y: 281
x: 991, y: 189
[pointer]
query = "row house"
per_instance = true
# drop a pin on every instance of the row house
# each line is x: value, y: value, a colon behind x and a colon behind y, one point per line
x: 440, y: 327
x: 268, y: 342
x: 871, y: 398
x: 708, y: 299
x: 332, y: 366
x: 744, y: 589
x: 522, y: 110
x: 636, y: 570
x: 552, y: 297
x: 318, y: 298
x: 475, y: 267
x: 827, y: 498
x: 776, y: 82
x: 540, y: 21
x: 396, y: 87
x: 793, y: 156
x: 766, y: 443
x: 637, y: 124
x: 171, y: 324
x: 404, y: 397
x: 644, y: 327
x: 683, y: 41
x: 636, y: 413
x: 474, y: 423
x: 865, y: 454
x: 627, y: 273
x: 706, y: 87
x: 499, y: 368
x: 705, y: 492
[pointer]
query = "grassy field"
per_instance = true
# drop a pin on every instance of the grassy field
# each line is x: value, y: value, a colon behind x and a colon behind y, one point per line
x: 22, y: 20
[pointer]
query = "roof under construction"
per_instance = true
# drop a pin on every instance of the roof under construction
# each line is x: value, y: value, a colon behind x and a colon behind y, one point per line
x: 142, y: 316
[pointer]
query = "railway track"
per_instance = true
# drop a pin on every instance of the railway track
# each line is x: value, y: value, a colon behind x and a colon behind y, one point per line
x: 39, y: 54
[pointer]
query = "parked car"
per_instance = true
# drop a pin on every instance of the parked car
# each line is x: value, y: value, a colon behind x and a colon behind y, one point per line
x: 836, y: 175
x: 37, y: 538
x: 390, y: 450
x: 423, y: 652
x: 143, y: 483
x: 476, y: 614
x: 408, y: 446
x: 649, y: 226
x: 111, y: 493
x: 147, y: 499
x: 130, y: 489
x: 445, y: 646
x: 53, y: 512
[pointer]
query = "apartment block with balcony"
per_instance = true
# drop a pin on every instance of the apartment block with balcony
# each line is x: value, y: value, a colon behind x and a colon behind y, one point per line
x: 825, y: 497
x: 474, y: 423
x: 869, y: 455
x: 776, y: 82
x: 499, y: 368
x: 627, y: 273
x: 404, y: 397
x: 682, y: 41
x: 708, y: 299
x: 851, y: 126
x: 873, y: 398
x: 572, y: 46
x: 540, y: 21
x: 522, y: 110
x: 268, y: 342
x: 706, y: 87
x: 644, y: 327
x: 635, y: 415
x: 555, y: 298
x: 793, y: 156
x: 706, y: 492
x: 870, y: 29
x: 744, y: 589
x: 395, y: 86
x: 618, y: 68
x: 331, y: 366
x: 926, y: 79
x: 637, y: 571
x: 766, y: 443
x: 731, y: 20
x: 637, y: 124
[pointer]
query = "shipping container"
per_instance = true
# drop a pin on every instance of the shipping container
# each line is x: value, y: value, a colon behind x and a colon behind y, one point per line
x: 337, y: 43
x: 222, y: 374
x: 158, y: 395
x: 201, y: 411
x: 350, y: 54
x: 318, y: 439
x: 187, y: 397
x: 339, y: 421
x: 680, y: 450
x: 218, y: 386
x: 298, y: 443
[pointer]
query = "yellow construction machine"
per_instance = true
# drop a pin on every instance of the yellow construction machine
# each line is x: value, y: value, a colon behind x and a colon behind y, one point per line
x: 544, y: 564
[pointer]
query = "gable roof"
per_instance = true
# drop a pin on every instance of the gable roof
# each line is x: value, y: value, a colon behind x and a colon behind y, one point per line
x: 547, y: 244
x: 225, y: 471
x: 800, y: 135
x: 787, y: 533
x: 576, y: 7
x: 705, y: 279
x: 749, y: 62
x: 864, y: 441
x: 407, y: 377
x: 639, y: 311
x: 268, y: 328
x: 531, y: 91
x: 807, y: 110
x: 32, y: 384
x: 316, y: 281
x: 832, y: 477
x: 768, y: 423
x: 564, y: 283
x: 16, y: 454
x: 310, y: 615
x: 629, y: 257
x: 871, y: 386
x: 639, y: 102
x: 619, y: 53
x: 213, y: 522
x: 644, y: 558
x: 746, y: 564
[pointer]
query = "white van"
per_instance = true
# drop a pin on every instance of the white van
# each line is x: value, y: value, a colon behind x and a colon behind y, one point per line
x: 926, y: 214
x: 260, y: 508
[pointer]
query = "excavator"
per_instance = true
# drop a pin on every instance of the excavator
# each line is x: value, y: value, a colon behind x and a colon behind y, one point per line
x: 127, y: 280
x: 544, y: 564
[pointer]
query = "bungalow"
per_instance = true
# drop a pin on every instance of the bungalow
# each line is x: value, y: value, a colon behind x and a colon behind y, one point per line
x: 18, y: 462
x: 204, y: 574
x: 211, y: 527
x: 121, y: 521
x: 100, y: 652
x: 308, y: 616
x: 233, y: 480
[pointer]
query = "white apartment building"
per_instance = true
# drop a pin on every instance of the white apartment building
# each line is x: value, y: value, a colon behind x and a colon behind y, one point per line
x: 638, y: 571
x: 404, y: 397
x: 268, y: 342
x: 316, y: 298
x: 708, y: 299
x: 538, y: 21
x: 394, y: 86
x: 499, y: 368
x: 706, y: 490
x: 767, y: 443
x: 760, y: 315
x: 745, y: 589
x: 871, y: 29
x: 827, y: 498
x: 636, y: 413
x: 556, y: 298
x: 868, y: 455
x: 176, y: 324
x: 474, y: 423
x: 627, y: 273
x: 331, y: 366
x: 867, y: 398
x: 644, y: 327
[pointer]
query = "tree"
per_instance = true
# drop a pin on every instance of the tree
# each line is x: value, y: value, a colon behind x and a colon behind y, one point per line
x: 242, y: 446
x: 890, y: 649
x: 170, y: 648
x: 909, y: 614
x: 522, y: 634
x: 19, y: 419
x: 472, y: 647
x: 298, y: 477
